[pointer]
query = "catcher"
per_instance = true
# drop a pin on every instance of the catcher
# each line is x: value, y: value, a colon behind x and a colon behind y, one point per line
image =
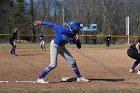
x: 57, y: 46
x: 134, y: 52
x: 12, y: 41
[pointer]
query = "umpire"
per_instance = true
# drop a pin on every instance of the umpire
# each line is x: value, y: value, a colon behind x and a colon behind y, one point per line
x: 12, y: 41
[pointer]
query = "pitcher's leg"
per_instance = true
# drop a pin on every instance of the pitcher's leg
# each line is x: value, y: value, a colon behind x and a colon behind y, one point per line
x: 53, y: 63
x: 66, y: 54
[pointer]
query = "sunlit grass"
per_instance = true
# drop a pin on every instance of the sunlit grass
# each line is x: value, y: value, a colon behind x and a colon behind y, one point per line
x: 37, y: 46
x: 74, y: 91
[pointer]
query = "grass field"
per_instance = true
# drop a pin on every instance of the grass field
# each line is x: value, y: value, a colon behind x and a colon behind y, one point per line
x: 75, y: 91
x: 36, y: 46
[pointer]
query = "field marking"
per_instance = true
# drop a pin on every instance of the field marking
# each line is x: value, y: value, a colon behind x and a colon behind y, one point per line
x: 18, y: 81
x: 132, y: 81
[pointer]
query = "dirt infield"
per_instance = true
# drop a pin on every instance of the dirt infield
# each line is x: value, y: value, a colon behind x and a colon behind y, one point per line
x: 106, y: 68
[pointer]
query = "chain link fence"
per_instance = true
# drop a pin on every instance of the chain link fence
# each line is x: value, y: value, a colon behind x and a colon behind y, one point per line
x: 85, y: 39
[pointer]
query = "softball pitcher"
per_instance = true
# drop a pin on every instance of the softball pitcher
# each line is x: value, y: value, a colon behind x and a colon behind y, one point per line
x: 42, y: 41
x: 134, y: 52
x: 12, y: 41
x: 57, y: 46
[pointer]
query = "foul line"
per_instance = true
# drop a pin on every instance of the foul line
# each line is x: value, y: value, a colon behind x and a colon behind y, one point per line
x: 18, y: 81
x: 132, y: 81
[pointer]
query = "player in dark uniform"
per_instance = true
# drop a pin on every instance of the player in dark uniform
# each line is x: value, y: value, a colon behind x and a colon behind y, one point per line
x: 94, y: 39
x: 108, y: 41
x: 134, y: 52
x: 12, y: 41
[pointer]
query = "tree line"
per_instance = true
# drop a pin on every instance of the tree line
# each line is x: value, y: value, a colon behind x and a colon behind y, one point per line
x: 109, y: 15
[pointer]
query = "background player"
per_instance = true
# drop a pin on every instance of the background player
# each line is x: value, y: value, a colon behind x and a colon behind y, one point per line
x: 42, y: 41
x: 12, y: 41
x: 94, y: 39
x: 134, y: 52
x: 65, y: 23
x: 108, y: 41
x: 57, y: 45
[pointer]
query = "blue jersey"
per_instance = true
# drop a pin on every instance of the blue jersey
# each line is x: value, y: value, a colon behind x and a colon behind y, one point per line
x: 41, y: 37
x: 63, y: 34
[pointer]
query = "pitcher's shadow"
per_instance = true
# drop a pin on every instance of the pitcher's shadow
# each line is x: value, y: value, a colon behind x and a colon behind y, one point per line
x: 74, y: 79
x: 110, y: 80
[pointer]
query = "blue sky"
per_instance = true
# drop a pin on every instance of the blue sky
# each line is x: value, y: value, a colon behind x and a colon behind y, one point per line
x: 28, y: 1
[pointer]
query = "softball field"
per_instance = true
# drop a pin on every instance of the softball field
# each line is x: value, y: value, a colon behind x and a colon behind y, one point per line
x: 105, y: 68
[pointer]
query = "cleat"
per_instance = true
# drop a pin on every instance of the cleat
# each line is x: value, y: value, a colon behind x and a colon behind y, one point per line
x: 15, y: 55
x: 11, y: 52
x: 138, y: 73
x: 42, y: 81
x: 81, y: 79
x: 132, y: 71
x: 69, y: 79
x: 66, y: 78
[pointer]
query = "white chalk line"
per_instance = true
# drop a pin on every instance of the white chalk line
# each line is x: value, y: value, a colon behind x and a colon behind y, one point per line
x: 132, y: 81
x: 18, y: 81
